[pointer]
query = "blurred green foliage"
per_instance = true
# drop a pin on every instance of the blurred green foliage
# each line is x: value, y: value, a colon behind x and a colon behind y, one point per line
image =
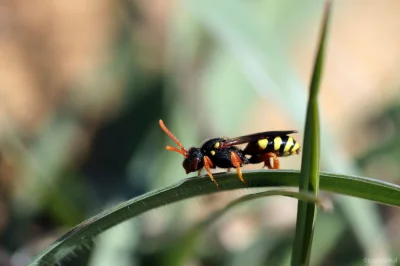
x: 219, y: 59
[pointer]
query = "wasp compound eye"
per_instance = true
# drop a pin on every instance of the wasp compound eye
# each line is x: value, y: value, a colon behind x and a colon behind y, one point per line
x: 194, y: 160
x: 191, y: 165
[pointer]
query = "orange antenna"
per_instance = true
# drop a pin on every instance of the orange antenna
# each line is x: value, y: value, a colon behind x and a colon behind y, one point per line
x: 182, y: 151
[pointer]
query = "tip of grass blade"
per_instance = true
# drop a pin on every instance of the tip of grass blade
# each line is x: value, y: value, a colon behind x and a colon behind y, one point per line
x: 316, y: 77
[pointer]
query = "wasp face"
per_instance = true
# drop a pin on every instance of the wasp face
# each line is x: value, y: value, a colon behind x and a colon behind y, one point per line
x: 193, y: 161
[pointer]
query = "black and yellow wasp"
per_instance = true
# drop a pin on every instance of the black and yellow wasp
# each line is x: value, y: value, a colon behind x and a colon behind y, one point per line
x: 222, y: 152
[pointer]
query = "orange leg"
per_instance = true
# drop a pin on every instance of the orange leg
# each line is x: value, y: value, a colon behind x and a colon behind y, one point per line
x: 267, y: 160
x: 237, y: 162
x: 208, y: 165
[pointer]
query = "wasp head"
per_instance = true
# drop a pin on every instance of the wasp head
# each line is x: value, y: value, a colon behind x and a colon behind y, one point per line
x: 193, y: 157
x: 193, y: 161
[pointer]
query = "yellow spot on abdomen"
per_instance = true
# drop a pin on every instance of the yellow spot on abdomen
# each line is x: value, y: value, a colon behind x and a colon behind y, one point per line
x: 296, y: 148
x: 289, y: 144
x: 277, y: 143
x: 212, y: 153
x: 263, y: 143
x: 216, y: 145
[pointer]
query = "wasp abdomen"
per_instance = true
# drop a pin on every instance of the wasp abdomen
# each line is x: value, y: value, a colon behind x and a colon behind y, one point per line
x: 281, y: 145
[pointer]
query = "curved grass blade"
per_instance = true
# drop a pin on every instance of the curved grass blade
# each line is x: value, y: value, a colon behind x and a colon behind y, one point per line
x: 186, y: 245
x: 309, y: 179
x: 83, y: 234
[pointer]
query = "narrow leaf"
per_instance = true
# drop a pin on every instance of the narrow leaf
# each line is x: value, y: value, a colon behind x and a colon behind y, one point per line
x: 309, y: 180
x: 185, y: 245
x: 84, y: 233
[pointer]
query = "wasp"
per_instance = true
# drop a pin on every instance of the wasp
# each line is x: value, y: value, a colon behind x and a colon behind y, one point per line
x: 223, y: 153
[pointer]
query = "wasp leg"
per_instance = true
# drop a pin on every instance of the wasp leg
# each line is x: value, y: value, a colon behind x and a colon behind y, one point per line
x: 237, y: 162
x: 199, y: 172
x: 267, y: 160
x: 208, y: 165
x: 276, y: 161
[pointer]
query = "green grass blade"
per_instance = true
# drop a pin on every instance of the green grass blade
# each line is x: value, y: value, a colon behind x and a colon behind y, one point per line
x: 84, y: 233
x: 185, y: 246
x: 309, y: 180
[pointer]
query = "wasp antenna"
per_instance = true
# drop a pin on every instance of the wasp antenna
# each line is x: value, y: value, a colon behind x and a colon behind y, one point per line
x: 170, y: 148
x: 182, y: 151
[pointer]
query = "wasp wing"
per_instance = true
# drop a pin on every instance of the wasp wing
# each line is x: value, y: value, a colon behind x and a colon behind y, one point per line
x: 255, y: 137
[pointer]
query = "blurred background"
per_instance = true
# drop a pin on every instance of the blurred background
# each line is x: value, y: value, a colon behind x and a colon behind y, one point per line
x: 84, y: 83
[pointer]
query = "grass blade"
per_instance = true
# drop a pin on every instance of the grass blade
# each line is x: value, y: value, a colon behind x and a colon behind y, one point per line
x: 309, y: 180
x: 84, y: 233
x: 185, y: 246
